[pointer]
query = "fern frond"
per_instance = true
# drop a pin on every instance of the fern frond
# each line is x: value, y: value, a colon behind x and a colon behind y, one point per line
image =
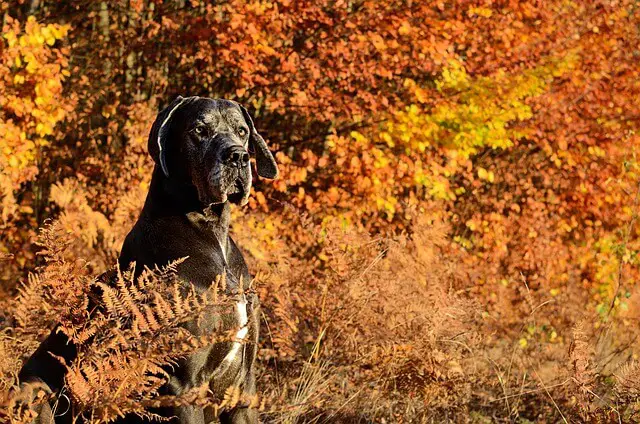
x: 29, y: 294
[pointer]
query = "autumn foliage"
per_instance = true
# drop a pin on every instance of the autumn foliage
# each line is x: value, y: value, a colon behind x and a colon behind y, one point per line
x: 454, y: 235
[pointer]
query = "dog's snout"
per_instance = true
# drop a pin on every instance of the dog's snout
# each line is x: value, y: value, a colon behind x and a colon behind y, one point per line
x: 240, y: 157
x: 236, y: 156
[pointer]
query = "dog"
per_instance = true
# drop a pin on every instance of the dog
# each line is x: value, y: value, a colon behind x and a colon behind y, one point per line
x: 201, y: 150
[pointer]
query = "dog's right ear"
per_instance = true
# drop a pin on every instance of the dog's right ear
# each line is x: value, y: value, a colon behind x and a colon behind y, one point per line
x: 265, y: 163
x: 159, y: 130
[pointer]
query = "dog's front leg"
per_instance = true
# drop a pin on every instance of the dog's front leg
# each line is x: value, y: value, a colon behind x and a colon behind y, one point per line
x: 243, y: 415
x: 239, y: 416
x: 187, y: 414
x: 190, y: 415
x: 246, y: 415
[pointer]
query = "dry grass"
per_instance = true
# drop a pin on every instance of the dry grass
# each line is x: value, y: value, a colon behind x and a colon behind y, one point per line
x: 357, y: 328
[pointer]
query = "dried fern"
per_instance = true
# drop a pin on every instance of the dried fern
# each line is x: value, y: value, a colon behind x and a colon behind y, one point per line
x: 134, y: 336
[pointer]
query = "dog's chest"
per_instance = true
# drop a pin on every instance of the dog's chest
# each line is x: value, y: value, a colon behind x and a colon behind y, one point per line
x: 224, y: 361
x: 207, y: 260
x: 221, y: 364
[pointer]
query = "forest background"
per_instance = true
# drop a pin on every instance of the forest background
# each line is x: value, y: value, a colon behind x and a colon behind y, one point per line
x: 454, y: 235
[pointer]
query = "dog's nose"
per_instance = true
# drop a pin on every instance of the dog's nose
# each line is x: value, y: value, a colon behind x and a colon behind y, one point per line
x: 236, y: 156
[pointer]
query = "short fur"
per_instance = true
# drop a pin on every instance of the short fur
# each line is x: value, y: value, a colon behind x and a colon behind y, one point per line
x: 200, y: 147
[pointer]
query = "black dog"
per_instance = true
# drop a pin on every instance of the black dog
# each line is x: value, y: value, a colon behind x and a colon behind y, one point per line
x: 201, y: 149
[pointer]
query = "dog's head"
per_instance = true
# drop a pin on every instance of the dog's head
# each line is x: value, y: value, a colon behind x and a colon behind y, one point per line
x: 206, y: 142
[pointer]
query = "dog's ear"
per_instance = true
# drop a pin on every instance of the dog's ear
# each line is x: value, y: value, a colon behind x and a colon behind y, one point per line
x: 158, y: 136
x: 265, y: 163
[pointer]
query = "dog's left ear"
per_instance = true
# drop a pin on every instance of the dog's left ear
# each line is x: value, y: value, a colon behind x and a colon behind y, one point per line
x: 157, y: 144
x: 265, y: 163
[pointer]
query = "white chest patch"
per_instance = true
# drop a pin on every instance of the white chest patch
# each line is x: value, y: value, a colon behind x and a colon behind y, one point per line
x: 237, y: 349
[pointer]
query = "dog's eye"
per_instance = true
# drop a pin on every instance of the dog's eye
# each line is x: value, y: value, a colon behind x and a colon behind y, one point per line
x: 200, y: 129
x: 242, y: 131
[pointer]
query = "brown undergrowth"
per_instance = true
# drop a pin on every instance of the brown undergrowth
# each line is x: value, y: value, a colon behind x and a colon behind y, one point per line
x: 128, y: 333
x: 356, y: 328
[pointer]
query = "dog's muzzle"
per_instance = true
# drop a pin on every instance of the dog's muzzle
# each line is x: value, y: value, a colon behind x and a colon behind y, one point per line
x: 236, y: 178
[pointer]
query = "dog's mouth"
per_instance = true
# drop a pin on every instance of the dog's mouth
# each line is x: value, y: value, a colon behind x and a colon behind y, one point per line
x: 236, y: 191
x: 226, y: 184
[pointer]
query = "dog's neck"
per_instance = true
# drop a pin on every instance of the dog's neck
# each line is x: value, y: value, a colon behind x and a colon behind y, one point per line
x: 217, y: 218
x: 168, y: 197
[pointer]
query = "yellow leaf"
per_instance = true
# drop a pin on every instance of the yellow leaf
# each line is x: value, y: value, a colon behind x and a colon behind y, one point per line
x: 405, y: 28
x: 482, y: 173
